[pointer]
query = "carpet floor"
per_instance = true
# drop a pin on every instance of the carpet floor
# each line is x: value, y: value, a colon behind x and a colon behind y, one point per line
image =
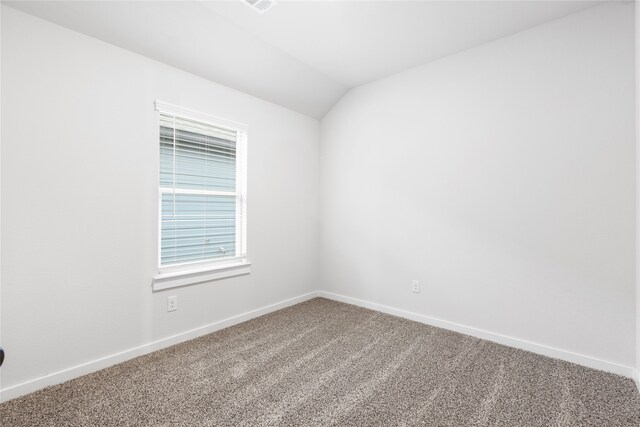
x: 324, y: 363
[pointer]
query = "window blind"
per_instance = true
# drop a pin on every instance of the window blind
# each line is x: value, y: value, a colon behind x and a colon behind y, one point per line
x: 200, y: 201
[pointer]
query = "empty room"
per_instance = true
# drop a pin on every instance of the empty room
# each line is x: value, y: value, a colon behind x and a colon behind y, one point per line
x: 319, y: 213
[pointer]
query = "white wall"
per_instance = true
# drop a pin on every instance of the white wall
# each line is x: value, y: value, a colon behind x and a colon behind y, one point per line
x: 637, y: 28
x: 79, y: 189
x: 501, y: 177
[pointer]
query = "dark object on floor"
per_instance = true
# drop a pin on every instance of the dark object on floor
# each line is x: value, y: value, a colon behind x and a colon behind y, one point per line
x: 323, y: 363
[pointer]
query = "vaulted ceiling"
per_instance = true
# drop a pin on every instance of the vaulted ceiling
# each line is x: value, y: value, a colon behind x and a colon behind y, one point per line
x: 303, y: 55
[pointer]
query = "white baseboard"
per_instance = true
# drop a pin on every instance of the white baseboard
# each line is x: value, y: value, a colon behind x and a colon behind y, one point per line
x: 95, y: 365
x: 104, y: 362
x: 545, y: 350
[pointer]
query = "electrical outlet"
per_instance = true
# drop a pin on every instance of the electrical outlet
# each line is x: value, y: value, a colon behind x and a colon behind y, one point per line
x: 415, y: 286
x: 172, y: 303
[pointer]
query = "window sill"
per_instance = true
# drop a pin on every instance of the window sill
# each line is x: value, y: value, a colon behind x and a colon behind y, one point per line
x: 190, y: 277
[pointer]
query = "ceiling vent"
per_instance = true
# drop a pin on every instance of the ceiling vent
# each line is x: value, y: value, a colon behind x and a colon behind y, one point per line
x: 260, y: 6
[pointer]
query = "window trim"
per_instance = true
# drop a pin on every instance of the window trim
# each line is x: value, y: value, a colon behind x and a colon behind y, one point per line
x: 183, y: 274
x: 163, y: 281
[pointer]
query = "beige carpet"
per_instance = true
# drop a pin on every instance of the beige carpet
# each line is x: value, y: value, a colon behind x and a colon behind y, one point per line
x: 324, y: 363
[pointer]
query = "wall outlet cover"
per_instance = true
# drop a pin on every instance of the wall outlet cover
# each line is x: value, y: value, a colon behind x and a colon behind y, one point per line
x: 172, y: 303
x: 415, y: 286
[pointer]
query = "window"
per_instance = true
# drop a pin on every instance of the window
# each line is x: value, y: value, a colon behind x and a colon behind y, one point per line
x: 202, y: 198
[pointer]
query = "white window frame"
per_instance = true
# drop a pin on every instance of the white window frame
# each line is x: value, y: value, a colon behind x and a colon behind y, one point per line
x: 171, y: 276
